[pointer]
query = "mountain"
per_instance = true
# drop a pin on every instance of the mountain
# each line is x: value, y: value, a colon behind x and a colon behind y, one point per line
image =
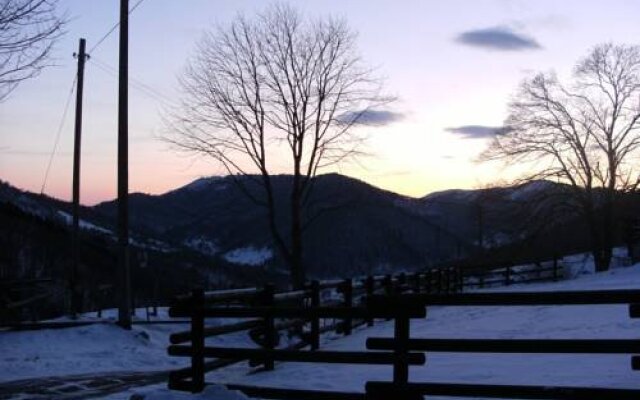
x: 212, y: 231
x: 355, y: 228
x: 35, y: 244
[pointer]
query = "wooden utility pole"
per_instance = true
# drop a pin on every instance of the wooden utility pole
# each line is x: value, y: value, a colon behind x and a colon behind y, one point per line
x: 124, y: 311
x: 75, y: 248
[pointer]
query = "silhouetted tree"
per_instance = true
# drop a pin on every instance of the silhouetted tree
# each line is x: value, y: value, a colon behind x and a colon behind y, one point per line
x: 277, y: 89
x: 28, y: 30
x: 585, y: 134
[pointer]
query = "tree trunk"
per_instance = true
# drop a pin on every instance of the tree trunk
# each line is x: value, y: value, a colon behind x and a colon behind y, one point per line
x: 601, y: 262
x: 297, y: 267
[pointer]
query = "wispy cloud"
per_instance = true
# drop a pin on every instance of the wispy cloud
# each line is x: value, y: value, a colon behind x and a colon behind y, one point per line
x: 498, y: 38
x: 371, y: 117
x: 477, y: 131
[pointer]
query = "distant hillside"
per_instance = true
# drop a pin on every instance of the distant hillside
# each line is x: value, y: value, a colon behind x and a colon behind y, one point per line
x: 211, y: 228
x: 35, y: 243
x: 354, y: 227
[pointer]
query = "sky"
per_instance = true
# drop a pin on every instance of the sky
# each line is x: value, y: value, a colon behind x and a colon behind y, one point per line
x: 452, y: 64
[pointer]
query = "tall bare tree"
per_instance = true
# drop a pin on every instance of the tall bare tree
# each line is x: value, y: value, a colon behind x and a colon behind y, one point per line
x: 28, y: 30
x: 273, y: 88
x: 585, y: 133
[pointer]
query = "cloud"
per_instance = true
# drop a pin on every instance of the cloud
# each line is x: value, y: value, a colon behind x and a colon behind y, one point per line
x: 498, y: 38
x: 371, y: 117
x: 477, y: 131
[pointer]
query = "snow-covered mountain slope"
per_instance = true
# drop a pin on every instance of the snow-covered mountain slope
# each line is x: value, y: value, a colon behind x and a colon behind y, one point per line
x: 351, y: 227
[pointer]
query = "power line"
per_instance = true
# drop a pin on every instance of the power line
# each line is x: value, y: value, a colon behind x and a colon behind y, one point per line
x: 68, y: 102
x: 113, y: 28
x: 60, y: 126
x: 135, y: 83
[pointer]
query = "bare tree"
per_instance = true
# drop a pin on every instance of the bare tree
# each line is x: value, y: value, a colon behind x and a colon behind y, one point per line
x: 274, y: 88
x: 28, y: 30
x: 584, y: 134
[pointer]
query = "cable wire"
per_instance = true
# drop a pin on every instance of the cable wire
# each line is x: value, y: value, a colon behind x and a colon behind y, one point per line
x: 113, y: 28
x: 134, y: 83
x: 60, y: 127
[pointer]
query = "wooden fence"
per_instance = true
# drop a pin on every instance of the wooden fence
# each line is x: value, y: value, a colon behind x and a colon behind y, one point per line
x: 505, y: 275
x: 323, y: 306
x: 401, y: 351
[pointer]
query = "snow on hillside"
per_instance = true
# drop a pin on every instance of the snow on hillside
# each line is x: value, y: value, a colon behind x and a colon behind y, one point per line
x: 249, y: 255
x: 203, y: 245
x: 68, y: 219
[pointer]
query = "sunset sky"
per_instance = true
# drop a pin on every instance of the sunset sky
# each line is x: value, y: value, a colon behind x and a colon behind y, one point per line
x: 452, y: 64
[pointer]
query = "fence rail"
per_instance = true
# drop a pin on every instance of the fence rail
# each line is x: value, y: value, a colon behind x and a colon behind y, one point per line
x: 397, y: 298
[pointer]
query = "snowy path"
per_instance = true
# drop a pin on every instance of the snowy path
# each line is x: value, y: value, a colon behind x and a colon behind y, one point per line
x: 577, y: 322
x: 85, y: 386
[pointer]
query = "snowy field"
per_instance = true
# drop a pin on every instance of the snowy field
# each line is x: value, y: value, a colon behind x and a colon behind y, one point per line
x: 547, y: 322
x: 104, y: 348
x: 98, y: 348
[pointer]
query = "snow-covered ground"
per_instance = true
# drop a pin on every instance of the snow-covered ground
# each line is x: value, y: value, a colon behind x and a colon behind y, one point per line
x: 98, y: 348
x: 108, y: 348
x: 583, y: 322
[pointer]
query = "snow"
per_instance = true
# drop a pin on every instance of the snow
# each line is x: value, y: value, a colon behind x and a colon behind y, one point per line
x: 151, y: 244
x: 530, y: 189
x: 104, y: 348
x: 249, y: 255
x: 205, y: 183
x: 202, y: 245
x: 157, y: 392
x: 98, y: 348
x: 68, y: 219
x: 545, y: 322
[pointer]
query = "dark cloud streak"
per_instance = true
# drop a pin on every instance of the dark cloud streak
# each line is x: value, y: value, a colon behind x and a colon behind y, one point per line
x: 371, y: 117
x: 477, y: 131
x: 497, y: 38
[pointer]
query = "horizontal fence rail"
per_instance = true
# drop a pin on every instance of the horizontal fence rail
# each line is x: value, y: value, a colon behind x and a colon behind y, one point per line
x: 400, y: 298
x: 331, y: 357
x: 416, y: 391
x: 590, y: 297
x: 295, y: 394
x: 565, y: 346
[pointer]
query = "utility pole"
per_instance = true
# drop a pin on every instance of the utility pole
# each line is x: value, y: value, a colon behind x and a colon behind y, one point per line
x: 75, y: 242
x: 124, y: 310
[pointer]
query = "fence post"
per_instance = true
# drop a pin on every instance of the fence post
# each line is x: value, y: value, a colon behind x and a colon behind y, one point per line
x: 416, y: 282
x: 454, y: 280
x: 428, y: 279
x: 369, y: 286
x: 634, y: 313
x: 269, y: 325
x: 401, y: 338
x: 347, y: 292
x: 315, y: 321
x: 402, y: 280
x: 507, y: 275
x: 197, y: 340
x: 439, y: 281
x: 388, y: 285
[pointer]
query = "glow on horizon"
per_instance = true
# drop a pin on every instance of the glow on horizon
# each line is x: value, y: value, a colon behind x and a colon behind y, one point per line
x: 440, y: 84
